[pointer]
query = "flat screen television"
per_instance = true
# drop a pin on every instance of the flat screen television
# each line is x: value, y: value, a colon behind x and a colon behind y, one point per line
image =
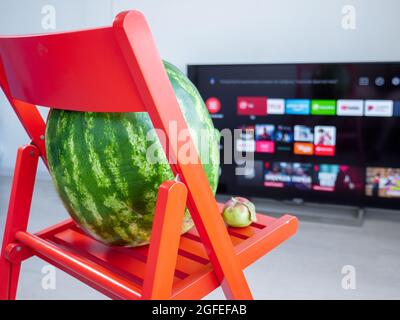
x: 321, y: 132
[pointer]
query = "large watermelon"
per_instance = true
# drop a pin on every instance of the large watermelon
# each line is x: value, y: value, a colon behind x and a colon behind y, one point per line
x: 99, y: 167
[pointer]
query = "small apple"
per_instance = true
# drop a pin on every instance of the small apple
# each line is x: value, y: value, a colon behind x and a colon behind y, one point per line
x: 239, y: 212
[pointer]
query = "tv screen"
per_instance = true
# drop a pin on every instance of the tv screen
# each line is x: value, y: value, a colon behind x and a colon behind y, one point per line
x: 326, y: 132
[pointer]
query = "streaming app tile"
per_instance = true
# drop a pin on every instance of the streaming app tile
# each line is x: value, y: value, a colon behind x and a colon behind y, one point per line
x: 338, y: 178
x: 245, y: 142
x: 397, y: 109
x: 328, y: 151
x: 378, y: 108
x: 252, y: 106
x: 350, y: 107
x: 303, y: 148
x: 323, y: 107
x: 302, y: 176
x: 284, y: 134
x: 265, y: 136
x: 383, y: 182
x: 350, y: 178
x: 277, y: 174
x: 251, y: 173
x: 275, y: 106
x: 265, y: 132
x: 286, y: 175
x: 325, y: 135
x: 303, y: 133
x: 325, y: 177
x: 298, y: 106
x: 324, y: 140
x: 265, y: 146
x: 213, y: 105
x: 245, y: 145
x: 283, y: 138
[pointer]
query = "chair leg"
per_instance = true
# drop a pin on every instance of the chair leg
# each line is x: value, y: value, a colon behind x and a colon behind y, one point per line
x: 9, y: 275
x: 5, y: 272
x: 164, y: 244
x: 17, y: 216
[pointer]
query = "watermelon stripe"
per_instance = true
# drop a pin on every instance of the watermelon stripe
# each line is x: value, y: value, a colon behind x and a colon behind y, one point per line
x: 101, y: 178
x: 62, y: 124
x: 109, y: 221
x: 111, y: 155
x: 87, y: 200
x: 119, y: 202
x: 89, y: 216
x: 71, y: 201
x: 89, y: 172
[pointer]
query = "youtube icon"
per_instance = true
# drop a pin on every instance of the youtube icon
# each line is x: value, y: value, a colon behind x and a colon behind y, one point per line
x: 350, y: 107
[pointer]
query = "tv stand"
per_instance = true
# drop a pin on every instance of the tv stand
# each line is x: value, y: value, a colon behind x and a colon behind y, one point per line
x: 311, y: 211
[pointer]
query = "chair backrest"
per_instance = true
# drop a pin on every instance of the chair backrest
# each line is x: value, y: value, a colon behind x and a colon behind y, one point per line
x: 110, y: 69
x: 81, y: 70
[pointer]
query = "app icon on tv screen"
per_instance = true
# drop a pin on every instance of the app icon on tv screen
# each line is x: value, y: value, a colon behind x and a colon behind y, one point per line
x: 252, y: 106
x: 303, y: 148
x: 338, y: 178
x: 350, y: 107
x: 325, y: 177
x: 265, y: 132
x: 323, y: 107
x: 324, y: 140
x: 275, y: 106
x: 253, y: 173
x: 284, y: 134
x: 277, y: 174
x: 213, y: 105
x: 303, y: 133
x: 298, y: 106
x: 378, y: 108
x: 383, y: 182
x: 288, y: 175
x: 245, y: 142
x: 284, y: 138
x: 265, y: 136
x: 302, y: 176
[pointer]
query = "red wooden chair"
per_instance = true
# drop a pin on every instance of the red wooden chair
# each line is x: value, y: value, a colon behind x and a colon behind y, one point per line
x: 118, y: 69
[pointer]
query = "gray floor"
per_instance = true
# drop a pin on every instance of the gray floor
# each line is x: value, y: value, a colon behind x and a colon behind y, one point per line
x: 306, y: 267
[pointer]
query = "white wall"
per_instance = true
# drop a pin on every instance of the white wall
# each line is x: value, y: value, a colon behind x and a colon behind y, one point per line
x: 25, y: 17
x: 220, y: 31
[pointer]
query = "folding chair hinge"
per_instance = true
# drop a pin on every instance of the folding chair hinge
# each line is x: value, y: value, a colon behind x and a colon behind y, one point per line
x: 37, y: 145
x: 16, y: 252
